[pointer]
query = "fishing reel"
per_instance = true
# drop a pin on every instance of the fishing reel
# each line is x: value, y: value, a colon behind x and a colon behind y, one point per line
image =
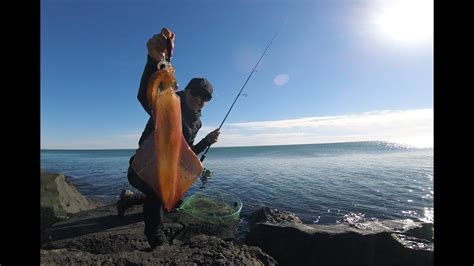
x: 205, y: 176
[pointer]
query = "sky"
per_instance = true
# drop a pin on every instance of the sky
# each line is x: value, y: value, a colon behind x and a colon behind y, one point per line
x: 338, y: 70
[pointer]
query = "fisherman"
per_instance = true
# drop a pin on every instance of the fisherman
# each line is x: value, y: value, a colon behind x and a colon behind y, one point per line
x: 193, y: 98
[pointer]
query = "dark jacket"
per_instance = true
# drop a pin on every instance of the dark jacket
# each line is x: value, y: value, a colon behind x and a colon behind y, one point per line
x: 190, y: 119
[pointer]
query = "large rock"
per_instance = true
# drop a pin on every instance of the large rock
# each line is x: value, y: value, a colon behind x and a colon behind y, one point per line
x: 391, y: 242
x: 273, y: 216
x: 59, y: 199
x: 99, y: 237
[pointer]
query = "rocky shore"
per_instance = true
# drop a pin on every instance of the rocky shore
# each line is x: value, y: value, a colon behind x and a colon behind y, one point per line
x: 59, y: 199
x: 75, y: 231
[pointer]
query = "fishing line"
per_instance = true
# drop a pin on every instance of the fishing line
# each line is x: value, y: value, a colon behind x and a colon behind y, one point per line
x: 240, y: 92
x: 206, y: 174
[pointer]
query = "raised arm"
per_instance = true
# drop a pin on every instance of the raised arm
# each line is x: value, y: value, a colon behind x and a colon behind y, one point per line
x: 150, y: 68
x: 160, y: 47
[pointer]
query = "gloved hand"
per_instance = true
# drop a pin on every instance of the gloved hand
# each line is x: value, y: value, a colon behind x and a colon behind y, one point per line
x: 212, y: 137
x: 205, y: 176
x: 157, y: 44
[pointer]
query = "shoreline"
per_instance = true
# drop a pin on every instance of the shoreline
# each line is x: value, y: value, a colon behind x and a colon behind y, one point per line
x: 97, y: 235
x: 335, y: 217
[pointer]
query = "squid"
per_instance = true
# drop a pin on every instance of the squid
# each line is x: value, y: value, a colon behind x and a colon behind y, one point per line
x: 164, y: 160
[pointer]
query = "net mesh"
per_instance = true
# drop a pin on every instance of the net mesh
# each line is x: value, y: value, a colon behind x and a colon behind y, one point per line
x: 213, y: 206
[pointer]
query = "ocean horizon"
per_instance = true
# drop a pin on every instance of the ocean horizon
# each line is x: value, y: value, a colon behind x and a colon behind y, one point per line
x: 323, y: 183
x: 395, y: 144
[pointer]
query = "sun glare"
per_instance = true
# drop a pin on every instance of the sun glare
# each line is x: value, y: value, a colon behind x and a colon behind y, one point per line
x: 405, y: 20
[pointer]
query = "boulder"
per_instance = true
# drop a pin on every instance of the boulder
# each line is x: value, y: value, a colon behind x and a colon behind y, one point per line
x: 273, y: 216
x: 370, y: 243
x: 59, y: 198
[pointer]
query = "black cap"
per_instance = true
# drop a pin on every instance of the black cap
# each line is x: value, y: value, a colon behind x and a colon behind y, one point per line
x: 200, y: 83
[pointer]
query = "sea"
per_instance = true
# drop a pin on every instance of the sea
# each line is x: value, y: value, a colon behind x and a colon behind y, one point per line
x: 321, y: 183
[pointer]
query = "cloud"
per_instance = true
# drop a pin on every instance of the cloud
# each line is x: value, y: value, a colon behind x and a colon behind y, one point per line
x: 411, y: 127
x: 375, y: 118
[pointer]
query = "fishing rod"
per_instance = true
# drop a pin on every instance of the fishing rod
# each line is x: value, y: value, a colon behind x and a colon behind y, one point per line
x: 207, y: 173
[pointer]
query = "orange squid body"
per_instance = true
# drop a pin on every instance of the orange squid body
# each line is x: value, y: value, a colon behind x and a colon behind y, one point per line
x: 164, y: 160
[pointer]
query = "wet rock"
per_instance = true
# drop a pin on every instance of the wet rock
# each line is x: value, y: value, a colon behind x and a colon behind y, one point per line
x: 425, y: 231
x: 273, y: 216
x: 413, y: 242
x: 369, y: 243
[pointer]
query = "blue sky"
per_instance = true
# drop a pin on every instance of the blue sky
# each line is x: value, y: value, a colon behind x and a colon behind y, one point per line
x: 338, y: 71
